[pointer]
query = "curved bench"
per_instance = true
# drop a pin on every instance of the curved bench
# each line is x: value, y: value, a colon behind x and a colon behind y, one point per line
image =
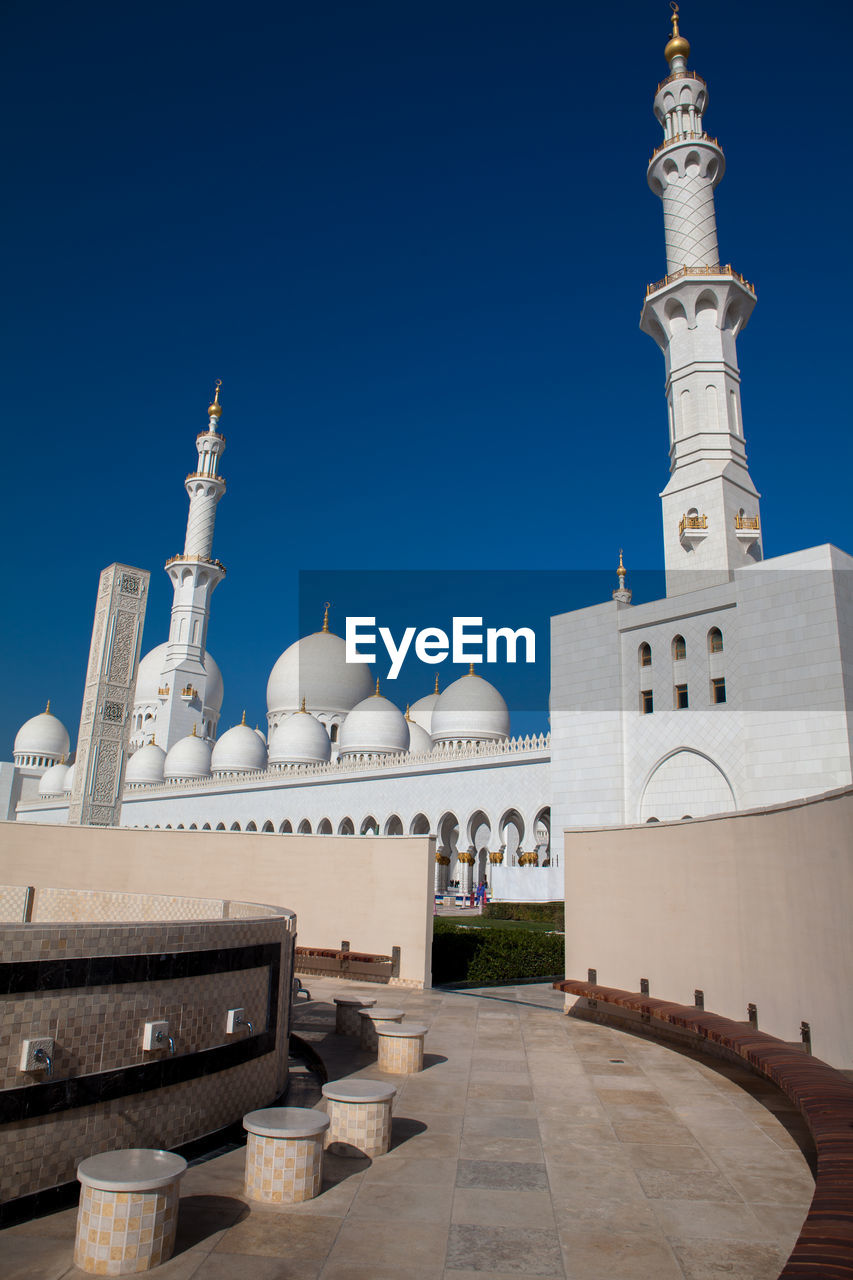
x: 823, y: 1096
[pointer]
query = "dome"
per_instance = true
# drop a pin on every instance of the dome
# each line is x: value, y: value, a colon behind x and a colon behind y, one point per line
x: 419, y: 739
x: 238, y: 750
x: 375, y: 726
x: 470, y: 709
x: 145, y: 765
x: 69, y: 779
x: 150, y: 675
x: 261, y: 735
x: 315, y: 668
x: 43, y: 736
x: 52, y: 782
x: 300, y: 739
x: 188, y: 758
x: 421, y: 711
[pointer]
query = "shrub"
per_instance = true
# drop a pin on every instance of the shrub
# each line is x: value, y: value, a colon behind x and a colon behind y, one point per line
x: 493, y: 955
x: 541, y: 912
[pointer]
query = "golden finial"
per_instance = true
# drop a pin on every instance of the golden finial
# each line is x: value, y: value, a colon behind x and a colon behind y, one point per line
x: 326, y: 615
x: 470, y: 671
x: 47, y: 708
x: 408, y: 717
x: 377, y: 694
x: 302, y: 708
x: 154, y: 739
x: 243, y: 721
x: 214, y: 409
x: 436, y: 682
x: 678, y: 46
x: 194, y: 734
x: 621, y: 571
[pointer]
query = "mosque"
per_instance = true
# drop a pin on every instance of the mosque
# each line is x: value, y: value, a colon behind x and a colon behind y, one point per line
x: 730, y: 693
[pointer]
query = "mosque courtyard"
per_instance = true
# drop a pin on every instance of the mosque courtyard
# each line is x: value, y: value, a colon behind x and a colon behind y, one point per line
x: 532, y: 1144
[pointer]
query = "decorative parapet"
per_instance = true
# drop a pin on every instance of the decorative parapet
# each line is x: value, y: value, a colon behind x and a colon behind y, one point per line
x: 681, y: 75
x: 718, y: 270
x: 692, y: 522
x: 182, y: 559
x: 746, y: 522
x: 670, y: 142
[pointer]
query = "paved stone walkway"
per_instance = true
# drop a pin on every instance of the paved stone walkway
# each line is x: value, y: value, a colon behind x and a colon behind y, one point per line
x: 532, y: 1145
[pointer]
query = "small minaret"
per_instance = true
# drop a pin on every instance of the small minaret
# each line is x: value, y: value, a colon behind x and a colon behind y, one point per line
x: 622, y: 594
x: 711, y: 516
x: 194, y: 576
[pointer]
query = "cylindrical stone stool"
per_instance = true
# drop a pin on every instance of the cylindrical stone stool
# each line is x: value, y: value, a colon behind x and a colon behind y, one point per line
x: 347, y: 1021
x: 401, y: 1047
x: 128, y: 1211
x: 360, y: 1117
x: 370, y: 1018
x: 284, y: 1154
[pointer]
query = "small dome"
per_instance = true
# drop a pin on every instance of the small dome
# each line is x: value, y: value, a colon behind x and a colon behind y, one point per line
x: 472, y: 710
x: 145, y: 765
x: 421, y: 711
x: 419, y: 739
x: 149, y: 678
x: 315, y: 669
x: 43, y: 735
x: 239, y: 750
x: 188, y: 758
x: 69, y: 779
x: 52, y: 783
x: 300, y: 739
x: 375, y: 727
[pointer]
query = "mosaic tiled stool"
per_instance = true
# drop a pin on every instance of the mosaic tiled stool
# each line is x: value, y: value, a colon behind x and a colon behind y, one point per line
x: 360, y: 1117
x: 128, y: 1211
x: 401, y: 1047
x: 284, y: 1154
x: 347, y: 1021
x: 370, y: 1018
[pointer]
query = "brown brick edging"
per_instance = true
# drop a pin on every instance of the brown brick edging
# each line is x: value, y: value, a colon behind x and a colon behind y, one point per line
x: 823, y: 1096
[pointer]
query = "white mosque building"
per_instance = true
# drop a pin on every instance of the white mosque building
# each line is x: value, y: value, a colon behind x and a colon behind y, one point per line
x: 731, y: 692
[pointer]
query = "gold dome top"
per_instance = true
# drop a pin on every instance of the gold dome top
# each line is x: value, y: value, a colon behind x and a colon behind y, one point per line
x: 678, y: 46
x: 214, y: 409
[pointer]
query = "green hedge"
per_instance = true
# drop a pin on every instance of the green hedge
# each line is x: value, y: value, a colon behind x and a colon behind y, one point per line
x: 542, y: 912
x: 493, y: 955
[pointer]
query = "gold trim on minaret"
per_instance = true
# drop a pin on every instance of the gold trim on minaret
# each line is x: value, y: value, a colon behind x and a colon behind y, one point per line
x: 621, y: 572
x: 678, y: 46
x: 214, y: 409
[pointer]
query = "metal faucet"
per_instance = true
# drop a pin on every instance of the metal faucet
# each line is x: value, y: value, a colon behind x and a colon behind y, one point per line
x: 160, y: 1036
x: 41, y: 1056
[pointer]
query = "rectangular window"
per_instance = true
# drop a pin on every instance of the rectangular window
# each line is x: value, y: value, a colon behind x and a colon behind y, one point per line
x: 680, y: 697
x: 718, y: 690
x: 647, y: 704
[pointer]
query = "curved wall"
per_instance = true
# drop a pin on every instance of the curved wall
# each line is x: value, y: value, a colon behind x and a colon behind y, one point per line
x: 88, y: 973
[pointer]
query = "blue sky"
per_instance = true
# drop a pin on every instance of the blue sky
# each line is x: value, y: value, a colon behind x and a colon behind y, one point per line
x: 413, y: 241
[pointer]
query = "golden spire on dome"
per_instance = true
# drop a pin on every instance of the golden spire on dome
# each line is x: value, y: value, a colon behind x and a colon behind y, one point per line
x: 436, y: 682
x: 302, y: 708
x: 243, y: 721
x: 377, y: 693
x: 678, y: 46
x: 408, y: 717
x: 47, y: 708
x: 194, y: 733
x: 214, y: 409
x: 470, y: 671
x: 328, y: 606
x: 621, y: 571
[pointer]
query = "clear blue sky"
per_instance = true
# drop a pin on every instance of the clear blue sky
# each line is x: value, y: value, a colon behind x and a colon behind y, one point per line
x: 413, y: 241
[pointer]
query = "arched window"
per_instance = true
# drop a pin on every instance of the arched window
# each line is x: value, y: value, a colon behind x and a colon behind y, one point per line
x: 679, y: 649
x: 250, y: 826
x: 645, y: 655
x: 333, y: 733
x: 715, y: 640
x: 268, y: 826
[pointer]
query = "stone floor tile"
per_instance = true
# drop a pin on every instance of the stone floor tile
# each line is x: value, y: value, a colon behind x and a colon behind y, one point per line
x: 406, y: 1202
x: 34, y: 1258
x: 378, y: 1271
x: 236, y: 1266
x: 495, y: 1275
x: 435, y: 1121
x: 413, y: 1169
x: 490, y: 1208
x: 502, y: 1175
x: 686, y: 1184
x: 708, y: 1220
x: 277, y: 1233
x: 501, y: 1127
x: 501, y: 1107
x: 662, y: 1132
x: 479, y: 1147
x: 612, y: 1255
x: 500, y: 1089
x: 427, y: 1146
x: 364, y: 1242
x: 644, y: 1155
x: 771, y: 1187
x: 735, y: 1259
x: 516, y: 1251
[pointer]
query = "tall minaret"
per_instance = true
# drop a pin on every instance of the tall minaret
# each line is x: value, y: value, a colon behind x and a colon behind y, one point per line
x: 185, y: 707
x: 710, y: 505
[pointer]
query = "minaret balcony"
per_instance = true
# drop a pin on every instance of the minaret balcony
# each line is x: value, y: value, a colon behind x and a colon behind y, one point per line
x: 747, y: 530
x: 684, y: 137
x: 719, y: 270
x: 205, y: 475
x: 681, y: 75
x: 163, y: 693
x: 183, y: 559
x: 692, y: 530
x: 189, y: 694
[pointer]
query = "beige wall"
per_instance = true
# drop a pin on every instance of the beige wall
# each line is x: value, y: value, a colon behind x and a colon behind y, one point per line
x: 373, y: 891
x: 750, y: 907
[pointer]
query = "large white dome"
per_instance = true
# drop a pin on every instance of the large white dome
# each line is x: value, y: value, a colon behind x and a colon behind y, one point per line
x: 69, y: 779
x: 470, y: 710
x: 149, y: 676
x: 419, y: 739
x: 52, y: 782
x: 315, y: 669
x: 188, y: 758
x: 145, y: 766
x: 239, y: 750
x: 42, y: 736
x: 374, y: 727
x: 421, y: 711
x: 300, y: 739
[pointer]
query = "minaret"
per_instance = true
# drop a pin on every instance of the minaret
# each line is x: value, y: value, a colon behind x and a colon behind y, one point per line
x: 194, y: 576
x: 710, y: 505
